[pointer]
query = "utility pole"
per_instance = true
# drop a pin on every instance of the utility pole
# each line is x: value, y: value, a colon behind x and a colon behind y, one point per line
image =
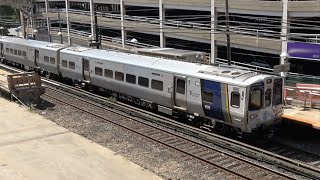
x: 60, y: 26
x: 92, y: 7
x: 48, y: 19
x: 23, y: 26
x: 227, y: 31
x: 1, y: 30
x: 67, y: 2
x: 96, y: 26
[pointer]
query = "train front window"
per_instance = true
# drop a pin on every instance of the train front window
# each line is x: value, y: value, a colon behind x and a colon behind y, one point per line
x: 255, y: 101
x: 277, y: 92
x: 267, y: 98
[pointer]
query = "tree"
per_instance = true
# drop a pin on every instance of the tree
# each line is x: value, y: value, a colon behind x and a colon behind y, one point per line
x: 8, y: 12
x: 5, y: 31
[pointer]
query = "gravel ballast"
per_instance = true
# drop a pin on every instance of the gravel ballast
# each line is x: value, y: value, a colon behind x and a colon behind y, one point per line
x: 156, y: 158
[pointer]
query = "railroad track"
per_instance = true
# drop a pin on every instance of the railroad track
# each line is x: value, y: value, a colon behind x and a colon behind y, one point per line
x: 283, y: 149
x: 296, y: 167
x: 223, y: 163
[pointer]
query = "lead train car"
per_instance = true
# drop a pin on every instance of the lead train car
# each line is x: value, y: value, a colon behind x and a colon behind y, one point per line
x: 207, y: 95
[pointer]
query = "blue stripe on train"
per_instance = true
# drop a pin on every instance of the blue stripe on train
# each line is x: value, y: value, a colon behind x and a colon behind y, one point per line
x: 216, y: 110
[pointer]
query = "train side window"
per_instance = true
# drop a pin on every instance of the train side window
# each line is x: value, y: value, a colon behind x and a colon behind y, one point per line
x: 52, y: 60
x: 72, y: 65
x: 7, y: 50
x: 46, y: 59
x: 24, y: 54
x: 207, y: 96
x: 11, y: 51
x: 19, y: 53
x: 119, y: 76
x: 142, y: 81
x: 267, y: 97
x: 157, y: 85
x: 98, y: 71
x: 15, y: 52
x: 64, y: 63
x: 181, y: 86
x: 131, y: 78
x: 235, y: 99
x: 108, y: 73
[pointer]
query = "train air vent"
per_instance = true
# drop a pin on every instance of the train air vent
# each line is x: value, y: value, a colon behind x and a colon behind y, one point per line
x: 235, y: 73
x: 55, y: 45
x: 225, y: 72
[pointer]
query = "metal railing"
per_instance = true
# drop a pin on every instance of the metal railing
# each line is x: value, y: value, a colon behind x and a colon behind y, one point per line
x: 302, y: 37
x: 178, y: 24
x: 114, y: 40
x: 307, y: 97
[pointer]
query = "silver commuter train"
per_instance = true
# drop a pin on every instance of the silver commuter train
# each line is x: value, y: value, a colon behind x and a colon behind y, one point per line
x: 237, y: 99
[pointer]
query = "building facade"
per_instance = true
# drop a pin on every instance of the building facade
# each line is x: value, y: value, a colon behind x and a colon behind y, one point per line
x: 259, y: 29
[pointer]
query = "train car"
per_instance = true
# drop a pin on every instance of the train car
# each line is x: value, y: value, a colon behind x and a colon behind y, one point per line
x: 47, y: 56
x: 34, y: 54
x: 74, y: 64
x: 236, y: 99
x: 17, y: 51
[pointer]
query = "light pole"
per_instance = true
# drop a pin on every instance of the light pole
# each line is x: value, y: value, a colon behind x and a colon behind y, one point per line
x: 34, y: 34
x: 97, y: 39
x: 1, y: 30
x: 60, y: 34
x: 285, y: 59
x: 60, y: 26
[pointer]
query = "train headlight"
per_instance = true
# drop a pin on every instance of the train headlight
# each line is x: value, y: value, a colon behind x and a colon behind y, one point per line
x: 253, y: 116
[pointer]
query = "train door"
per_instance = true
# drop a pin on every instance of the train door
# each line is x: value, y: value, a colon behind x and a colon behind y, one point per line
x: 86, y: 69
x: 36, y: 57
x: 180, y: 95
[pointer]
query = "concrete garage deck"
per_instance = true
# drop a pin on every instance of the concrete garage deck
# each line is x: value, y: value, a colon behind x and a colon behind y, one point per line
x: 32, y: 147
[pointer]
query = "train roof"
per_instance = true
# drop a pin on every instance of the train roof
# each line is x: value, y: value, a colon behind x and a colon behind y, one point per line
x: 32, y: 43
x: 230, y: 74
x: 233, y: 74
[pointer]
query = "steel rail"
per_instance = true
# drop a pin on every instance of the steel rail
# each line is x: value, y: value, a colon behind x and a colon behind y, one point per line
x: 125, y: 126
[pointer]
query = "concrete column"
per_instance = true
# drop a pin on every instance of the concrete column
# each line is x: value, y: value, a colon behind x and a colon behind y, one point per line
x: 123, y: 32
x: 27, y: 28
x: 68, y: 21
x: 48, y: 20
x: 284, y: 33
x: 32, y: 23
x: 23, y: 26
x: 92, y: 19
x: 161, y: 19
x: 212, y: 32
